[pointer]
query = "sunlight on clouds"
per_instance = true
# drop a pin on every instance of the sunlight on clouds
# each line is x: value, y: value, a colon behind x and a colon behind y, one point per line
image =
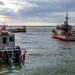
x: 9, y: 21
x: 31, y: 23
x: 4, y: 19
x: 36, y: 12
x: 14, y: 5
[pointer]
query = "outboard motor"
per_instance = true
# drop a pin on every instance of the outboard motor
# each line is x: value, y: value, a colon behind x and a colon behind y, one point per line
x: 17, y: 54
x: 23, y: 55
x: 8, y: 54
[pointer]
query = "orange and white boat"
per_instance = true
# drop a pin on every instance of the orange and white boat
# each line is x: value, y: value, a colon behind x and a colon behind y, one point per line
x: 64, y: 32
x: 59, y: 37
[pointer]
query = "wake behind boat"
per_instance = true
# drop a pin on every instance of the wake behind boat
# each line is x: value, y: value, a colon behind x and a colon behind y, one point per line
x: 64, y: 32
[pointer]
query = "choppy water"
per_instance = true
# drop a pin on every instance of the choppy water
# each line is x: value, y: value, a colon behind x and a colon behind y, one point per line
x: 45, y: 55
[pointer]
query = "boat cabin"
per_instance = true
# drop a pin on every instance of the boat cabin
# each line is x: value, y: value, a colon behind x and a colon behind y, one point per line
x: 7, y: 39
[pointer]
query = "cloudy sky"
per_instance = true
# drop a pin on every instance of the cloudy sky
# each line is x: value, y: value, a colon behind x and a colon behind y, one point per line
x: 36, y: 12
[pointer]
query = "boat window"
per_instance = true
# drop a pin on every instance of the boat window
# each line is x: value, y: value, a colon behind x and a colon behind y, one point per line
x: 4, y: 40
x: 11, y: 39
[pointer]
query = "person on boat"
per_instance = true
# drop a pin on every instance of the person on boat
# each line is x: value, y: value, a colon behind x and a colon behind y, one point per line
x: 66, y: 28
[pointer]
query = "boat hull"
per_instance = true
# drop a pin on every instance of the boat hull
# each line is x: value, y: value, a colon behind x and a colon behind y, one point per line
x: 59, y: 37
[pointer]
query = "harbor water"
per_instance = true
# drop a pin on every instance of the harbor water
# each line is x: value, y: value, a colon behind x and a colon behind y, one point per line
x: 44, y: 54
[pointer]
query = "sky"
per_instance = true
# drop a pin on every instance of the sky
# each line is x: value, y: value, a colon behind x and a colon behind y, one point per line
x: 36, y: 12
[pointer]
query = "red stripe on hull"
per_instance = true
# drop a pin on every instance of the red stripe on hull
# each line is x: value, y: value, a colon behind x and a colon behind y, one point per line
x: 59, y: 37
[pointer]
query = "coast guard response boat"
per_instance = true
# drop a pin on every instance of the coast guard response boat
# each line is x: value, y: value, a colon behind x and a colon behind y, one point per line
x: 8, y: 51
x: 64, y: 32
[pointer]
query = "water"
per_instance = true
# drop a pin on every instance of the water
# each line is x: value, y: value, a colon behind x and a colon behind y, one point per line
x: 45, y: 55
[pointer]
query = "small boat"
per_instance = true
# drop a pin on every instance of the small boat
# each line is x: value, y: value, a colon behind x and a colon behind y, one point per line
x: 64, y: 32
x: 17, y: 30
x: 8, y: 51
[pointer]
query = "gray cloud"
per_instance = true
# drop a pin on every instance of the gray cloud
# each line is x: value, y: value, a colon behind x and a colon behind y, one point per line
x: 1, y: 3
x: 45, y: 10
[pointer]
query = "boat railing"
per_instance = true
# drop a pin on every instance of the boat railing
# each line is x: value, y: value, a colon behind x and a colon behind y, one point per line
x: 12, y: 49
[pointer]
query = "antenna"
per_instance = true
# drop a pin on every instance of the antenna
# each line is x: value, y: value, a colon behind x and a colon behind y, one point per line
x: 66, y: 18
